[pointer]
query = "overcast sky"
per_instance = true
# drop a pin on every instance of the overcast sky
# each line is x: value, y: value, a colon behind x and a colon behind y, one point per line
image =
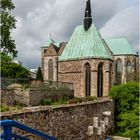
x: 37, y: 19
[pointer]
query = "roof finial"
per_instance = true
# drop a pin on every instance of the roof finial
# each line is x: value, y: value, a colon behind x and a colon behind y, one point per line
x: 88, y: 18
x: 50, y: 36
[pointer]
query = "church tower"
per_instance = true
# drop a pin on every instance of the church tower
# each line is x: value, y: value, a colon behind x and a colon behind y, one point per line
x: 88, y: 18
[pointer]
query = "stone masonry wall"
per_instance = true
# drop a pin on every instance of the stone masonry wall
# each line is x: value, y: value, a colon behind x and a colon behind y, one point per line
x: 35, y: 96
x: 32, y: 97
x: 45, y: 67
x: 73, y: 71
x: 12, y: 96
x: 68, y: 122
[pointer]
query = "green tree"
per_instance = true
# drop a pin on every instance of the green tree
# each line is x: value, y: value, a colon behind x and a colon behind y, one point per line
x: 126, y: 109
x: 9, y: 69
x: 8, y: 46
x: 39, y: 75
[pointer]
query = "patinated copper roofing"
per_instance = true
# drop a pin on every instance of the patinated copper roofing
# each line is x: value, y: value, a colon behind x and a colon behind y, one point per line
x: 120, y: 46
x: 85, y: 44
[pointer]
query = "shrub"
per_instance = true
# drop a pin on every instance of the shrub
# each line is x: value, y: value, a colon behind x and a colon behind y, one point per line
x: 73, y: 101
x: 4, y: 108
x: 126, y: 109
x: 91, y: 98
x: 46, y: 102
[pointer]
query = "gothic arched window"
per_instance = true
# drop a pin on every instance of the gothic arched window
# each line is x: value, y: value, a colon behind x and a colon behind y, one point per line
x: 128, y: 67
x: 87, y: 69
x: 50, y: 69
x: 100, y: 80
x: 110, y: 76
x: 118, y: 71
x: 129, y: 71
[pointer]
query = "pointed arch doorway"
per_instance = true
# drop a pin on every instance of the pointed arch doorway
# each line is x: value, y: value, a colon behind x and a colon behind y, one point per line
x: 87, y: 69
x: 100, y: 80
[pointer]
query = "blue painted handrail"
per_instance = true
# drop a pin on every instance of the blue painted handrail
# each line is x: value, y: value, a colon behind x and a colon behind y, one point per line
x: 8, y: 135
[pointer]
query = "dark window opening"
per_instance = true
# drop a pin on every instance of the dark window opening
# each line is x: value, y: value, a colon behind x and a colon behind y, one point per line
x: 87, y: 80
x: 50, y: 70
x: 110, y: 76
x: 100, y: 80
x: 118, y: 72
x: 129, y: 71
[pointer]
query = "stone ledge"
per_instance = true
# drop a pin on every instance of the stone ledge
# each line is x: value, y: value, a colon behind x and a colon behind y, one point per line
x: 119, y: 138
x: 52, y: 107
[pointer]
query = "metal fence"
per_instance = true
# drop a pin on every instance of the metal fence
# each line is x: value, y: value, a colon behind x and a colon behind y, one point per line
x: 5, y: 82
x: 59, y: 84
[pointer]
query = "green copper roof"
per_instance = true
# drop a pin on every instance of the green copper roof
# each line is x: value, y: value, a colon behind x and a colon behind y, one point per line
x: 57, y: 44
x: 85, y: 44
x: 48, y: 42
x: 120, y: 46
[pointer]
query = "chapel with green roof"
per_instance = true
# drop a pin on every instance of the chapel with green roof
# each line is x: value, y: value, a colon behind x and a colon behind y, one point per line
x: 91, y: 63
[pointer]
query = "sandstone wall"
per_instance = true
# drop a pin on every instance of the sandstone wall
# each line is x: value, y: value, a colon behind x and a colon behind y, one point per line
x: 35, y: 96
x: 32, y: 97
x: 45, y: 67
x: 69, y: 122
x: 119, y: 138
x: 12, y: 96
x: 73, y: 71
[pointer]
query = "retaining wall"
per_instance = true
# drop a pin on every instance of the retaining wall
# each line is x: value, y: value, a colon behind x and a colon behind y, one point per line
x: 32, y: 97
x: 67, y: 122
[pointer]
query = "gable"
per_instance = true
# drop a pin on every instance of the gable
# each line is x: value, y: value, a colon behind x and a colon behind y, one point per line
x: 51, y: 51
x: 62, y: 46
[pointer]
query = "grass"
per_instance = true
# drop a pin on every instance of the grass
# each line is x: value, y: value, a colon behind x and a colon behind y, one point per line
x: 17, y: 106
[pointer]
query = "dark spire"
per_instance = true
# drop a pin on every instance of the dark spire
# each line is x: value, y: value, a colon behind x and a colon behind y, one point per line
x: 88, y: 18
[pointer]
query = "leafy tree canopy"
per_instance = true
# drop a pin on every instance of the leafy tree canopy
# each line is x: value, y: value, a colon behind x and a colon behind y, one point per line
x: 8, y: 46
x: 9, y: 69
x: 126, y: 109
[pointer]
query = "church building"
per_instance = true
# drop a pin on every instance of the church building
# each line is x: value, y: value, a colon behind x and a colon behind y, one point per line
x: 91, y: 63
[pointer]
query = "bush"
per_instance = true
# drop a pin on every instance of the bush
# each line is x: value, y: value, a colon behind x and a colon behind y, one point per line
x: 73, y: 101
x: 91, y: 98
x: 4, y: 108
x: 17, y: 106
x: 126, y: 109
x: 46, y: 102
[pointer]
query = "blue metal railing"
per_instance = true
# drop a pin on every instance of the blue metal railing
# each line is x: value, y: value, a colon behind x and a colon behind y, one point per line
x: 7, y: 134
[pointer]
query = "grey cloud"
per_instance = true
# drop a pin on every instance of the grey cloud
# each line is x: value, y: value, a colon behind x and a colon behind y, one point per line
x: 124, y: 24
x: 104, y: 10
x: 38, y: 18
